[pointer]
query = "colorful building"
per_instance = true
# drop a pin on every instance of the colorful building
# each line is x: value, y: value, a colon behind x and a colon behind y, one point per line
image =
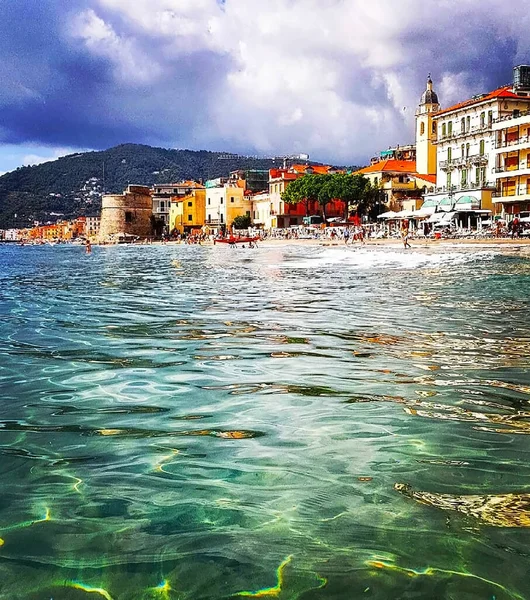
x: 224, y: 204
x: 188, y: 212
x: 512, y: 164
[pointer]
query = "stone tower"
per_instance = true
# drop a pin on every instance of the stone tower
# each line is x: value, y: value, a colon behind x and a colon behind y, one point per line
x: 426, y: 131
x: 128, y: 213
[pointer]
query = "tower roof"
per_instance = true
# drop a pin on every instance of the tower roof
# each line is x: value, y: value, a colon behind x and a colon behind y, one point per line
x: 429, y: 96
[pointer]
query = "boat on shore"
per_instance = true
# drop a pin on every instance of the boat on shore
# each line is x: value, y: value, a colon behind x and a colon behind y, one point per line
x: 232, y: 240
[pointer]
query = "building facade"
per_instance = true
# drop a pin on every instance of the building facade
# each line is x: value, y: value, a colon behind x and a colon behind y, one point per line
x: 164, y: 193
x: 426, y: 133
x: 188, y: 212
x: 92, y: 225
x: 465, y: 147
x: 512, y: 164
x: 127, y: 214
x: 224, y: 204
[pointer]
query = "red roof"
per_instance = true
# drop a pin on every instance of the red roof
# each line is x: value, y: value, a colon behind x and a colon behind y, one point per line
x: 429, y: 178
x: 391, y: 165
x: 502, y: 92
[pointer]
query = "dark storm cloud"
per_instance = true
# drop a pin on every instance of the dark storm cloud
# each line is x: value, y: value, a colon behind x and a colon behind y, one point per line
x: 224, y: 74
x: 55, y: 92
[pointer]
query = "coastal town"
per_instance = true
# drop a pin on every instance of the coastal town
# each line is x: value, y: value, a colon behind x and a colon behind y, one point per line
x: 468, y: 172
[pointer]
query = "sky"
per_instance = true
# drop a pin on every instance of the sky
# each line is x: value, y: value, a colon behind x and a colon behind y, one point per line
x: 337, y: 79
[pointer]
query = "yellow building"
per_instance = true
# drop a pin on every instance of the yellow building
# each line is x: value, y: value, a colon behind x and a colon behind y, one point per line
x: 512, y: 170
x: 426, y: 131
x: 188, y: 212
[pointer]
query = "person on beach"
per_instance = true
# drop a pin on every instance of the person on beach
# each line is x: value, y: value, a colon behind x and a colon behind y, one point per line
x: 405, y: 234
x: 346, y: 235
x: 515, y: 227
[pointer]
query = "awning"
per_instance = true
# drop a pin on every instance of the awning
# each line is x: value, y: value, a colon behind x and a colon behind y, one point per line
x: 387, y: 215
x: 445, y: 203
x: 472, y: 200
x: 436, y: 217
x: 448, y: 217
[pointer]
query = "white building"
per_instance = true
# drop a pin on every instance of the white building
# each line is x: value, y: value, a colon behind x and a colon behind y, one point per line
x: 465, y: 155
x: 224, y: 204
x: 92, y: 226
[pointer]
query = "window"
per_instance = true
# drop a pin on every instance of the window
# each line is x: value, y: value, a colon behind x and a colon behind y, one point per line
x: 422, y: 128
x: 481, y: 148
x: 462, y: 150
x: 450, y: 128
x: 462, y: 125
x: 190, y: 217
x: 375, y: 180
x: 449, y: 153
x: 468, y: 123
x: 190, y: 203
x: 464, y: 176
x: 209, y: 218
x: 221, y: 201
x: 208, y: 201
x: 483, y: 175
x: 434, y: 127
x: 467, y: 150
x: 482, y: 119
x: 231, y: 199
x: 490, y: 118
x: 220, y: 218
x: 128, y: 216
x: 477, y: 175
x: 444, y: 130
x: 248, y: 213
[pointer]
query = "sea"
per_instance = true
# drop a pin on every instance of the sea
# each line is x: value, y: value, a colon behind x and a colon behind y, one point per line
x: 291, y: 422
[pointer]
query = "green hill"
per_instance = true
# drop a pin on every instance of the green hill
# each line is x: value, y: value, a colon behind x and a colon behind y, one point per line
x: 72, y: 185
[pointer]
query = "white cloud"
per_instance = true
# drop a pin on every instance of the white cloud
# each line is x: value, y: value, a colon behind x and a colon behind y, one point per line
x: 336, y: 78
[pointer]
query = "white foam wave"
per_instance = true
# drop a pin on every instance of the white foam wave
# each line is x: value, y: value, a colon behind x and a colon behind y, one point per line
x: 374, y: 258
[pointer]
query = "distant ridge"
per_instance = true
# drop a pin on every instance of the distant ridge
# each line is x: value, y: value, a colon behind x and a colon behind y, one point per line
x: 72, y: 185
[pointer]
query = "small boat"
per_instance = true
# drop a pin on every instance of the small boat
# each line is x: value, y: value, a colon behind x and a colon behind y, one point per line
x: 236, y: 240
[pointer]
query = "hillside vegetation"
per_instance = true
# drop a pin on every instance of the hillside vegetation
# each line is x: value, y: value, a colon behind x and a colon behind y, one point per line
x: 72, y: 186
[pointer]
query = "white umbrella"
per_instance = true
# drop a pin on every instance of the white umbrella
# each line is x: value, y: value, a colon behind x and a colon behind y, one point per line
x: 387, y: 215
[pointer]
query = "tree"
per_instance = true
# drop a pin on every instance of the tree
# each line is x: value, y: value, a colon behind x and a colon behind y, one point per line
x: 241, y: 222
x: 354, y: 190
x: 303, y: 190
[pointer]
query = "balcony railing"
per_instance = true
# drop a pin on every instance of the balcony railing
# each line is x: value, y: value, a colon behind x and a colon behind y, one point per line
x: 524, y: 139
x: 472, y: 185
x: 515, y: 114
x: 516, y: 190
x: 517, y: 167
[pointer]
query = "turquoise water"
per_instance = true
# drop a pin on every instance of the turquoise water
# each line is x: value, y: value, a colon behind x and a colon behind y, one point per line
x: 202, y: 422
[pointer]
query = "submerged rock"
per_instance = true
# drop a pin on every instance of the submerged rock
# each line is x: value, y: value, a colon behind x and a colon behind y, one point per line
x: 498, y: 510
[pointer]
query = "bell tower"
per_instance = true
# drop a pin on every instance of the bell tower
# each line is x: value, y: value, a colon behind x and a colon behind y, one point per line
x: 426, y: 131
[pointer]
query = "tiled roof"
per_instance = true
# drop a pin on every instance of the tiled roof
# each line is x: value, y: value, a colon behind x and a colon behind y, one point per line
x: 391, y: 165
x: 429, y: 178
x: 502, y: 92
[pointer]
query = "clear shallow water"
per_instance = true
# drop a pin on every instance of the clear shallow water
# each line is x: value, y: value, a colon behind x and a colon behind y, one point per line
x: 198, y: 423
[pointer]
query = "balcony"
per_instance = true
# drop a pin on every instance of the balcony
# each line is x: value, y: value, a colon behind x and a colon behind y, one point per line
x: 514, y: 170
x: 516, y: 193
x: 524, y: 139
x: 452, y: 163
x: 472, y: 185
x: 515, y: 114
x: 399, y: 185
